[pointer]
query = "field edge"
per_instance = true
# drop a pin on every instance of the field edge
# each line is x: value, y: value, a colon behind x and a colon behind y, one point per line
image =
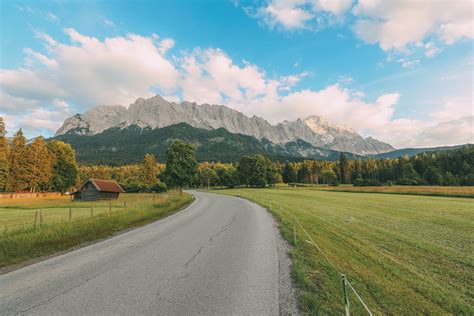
x: 111, y: 234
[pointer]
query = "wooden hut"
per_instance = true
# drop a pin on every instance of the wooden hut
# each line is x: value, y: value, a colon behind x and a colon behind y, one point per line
x: 95, y: 189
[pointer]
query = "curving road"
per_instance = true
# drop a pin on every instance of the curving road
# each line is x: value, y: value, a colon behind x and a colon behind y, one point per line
x: 218, y: 256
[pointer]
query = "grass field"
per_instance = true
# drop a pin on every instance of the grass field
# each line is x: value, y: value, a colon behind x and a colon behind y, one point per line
x: 403, y: 254
x: 21, y: 212
x: 21, y: 241
x: 410, y: 190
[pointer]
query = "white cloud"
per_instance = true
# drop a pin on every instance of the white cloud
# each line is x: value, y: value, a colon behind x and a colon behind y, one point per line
x: 51, y: 17
x: 335, y: 103
x: 455, y: 132
x: 288, y: 13
x: 32, y: 57
x: 33, y: 118
x: 165, y: 45
x: 109, y: 23
x: 396, y: 24
x: 296, y: 14
x: 88, y: 72
x: 430, y: 49
x: 336, y: 7
x: 91, y: 72
x: 46, y: 38
x: 406, y: 63
x: 399, y: 26
x: 211, y: 76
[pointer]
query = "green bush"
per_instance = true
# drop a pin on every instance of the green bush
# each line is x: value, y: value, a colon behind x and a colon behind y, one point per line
x: 159, y: 187
x: 367, y: 183
x: 407, y: 181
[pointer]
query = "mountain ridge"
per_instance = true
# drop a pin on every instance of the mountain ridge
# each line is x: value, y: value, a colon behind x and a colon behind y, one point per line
x: 156, y: 112
x: 128, y: 145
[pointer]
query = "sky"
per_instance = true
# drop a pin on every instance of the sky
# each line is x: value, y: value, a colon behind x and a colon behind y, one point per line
x: 397, y: 70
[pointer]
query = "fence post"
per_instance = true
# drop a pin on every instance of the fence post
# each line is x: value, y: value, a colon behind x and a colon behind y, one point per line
x: 346, y: 297
x: 36, y: 218
x: 294, y: 232
x: 110, y: 207
x: 92, y: 211
x: 41, y: 217
x: 70, y: 213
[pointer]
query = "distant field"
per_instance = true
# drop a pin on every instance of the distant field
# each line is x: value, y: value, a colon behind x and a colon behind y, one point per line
x: 403, y: 254
x: 464, y: 191
x: 21, y: 212
x: 21, y: 241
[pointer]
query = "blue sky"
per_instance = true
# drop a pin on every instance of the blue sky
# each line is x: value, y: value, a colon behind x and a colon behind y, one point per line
x: 396, y: 70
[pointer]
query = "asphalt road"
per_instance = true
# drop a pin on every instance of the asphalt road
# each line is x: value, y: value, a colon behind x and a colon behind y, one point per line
x: 218, y: 256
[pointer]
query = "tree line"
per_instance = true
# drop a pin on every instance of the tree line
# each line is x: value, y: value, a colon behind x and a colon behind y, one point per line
x: 35, y: 166
x: 51, y: 166
x: 454, y: 167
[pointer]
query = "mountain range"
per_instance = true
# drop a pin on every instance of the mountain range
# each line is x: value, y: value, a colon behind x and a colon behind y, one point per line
x: 118, y: 146
x: 309, y: 137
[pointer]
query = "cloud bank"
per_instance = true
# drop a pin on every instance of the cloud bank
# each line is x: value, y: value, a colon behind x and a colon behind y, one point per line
x: 394, y: 25
x: 85, y: 72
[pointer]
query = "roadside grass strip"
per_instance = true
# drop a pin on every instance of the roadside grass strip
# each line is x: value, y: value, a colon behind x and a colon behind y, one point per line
x: 58, y: 231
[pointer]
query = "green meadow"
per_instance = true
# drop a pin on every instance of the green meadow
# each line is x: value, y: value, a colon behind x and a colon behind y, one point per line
x: 35, y: 227
x: 403, y: 254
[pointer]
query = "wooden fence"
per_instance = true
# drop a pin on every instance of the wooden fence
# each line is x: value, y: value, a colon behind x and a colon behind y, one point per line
x: 28, y: 195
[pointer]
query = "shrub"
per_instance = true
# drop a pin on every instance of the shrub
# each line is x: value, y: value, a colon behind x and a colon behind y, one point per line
x: 367, y: 183
x: 407, y: 181
x: 159, y: 187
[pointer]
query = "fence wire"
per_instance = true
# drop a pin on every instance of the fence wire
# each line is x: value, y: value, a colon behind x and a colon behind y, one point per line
x: 326, y: 257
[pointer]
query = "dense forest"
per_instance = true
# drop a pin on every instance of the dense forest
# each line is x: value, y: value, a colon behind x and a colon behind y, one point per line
x: 51, y: 166
x: 455, y: 167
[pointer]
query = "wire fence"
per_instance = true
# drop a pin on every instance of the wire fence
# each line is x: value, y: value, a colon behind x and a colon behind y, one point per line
x: 346, y: 284
x: 36, y: 217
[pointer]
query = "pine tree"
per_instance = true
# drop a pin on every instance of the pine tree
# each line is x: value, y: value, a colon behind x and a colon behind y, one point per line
x: 3, y: 156
x: 41, y: 165
x: 289, y: 173
x: 342, y: 168
x: 19, y: 164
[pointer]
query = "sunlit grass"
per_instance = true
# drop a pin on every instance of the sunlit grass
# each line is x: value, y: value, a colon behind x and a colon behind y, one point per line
x: 404, y: 254
x: 20, y: 212
x: 22, y: 241
x: 461, y: 191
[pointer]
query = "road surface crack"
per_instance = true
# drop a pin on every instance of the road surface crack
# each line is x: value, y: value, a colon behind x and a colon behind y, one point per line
x: 59, y: 294
x: 209, y: 242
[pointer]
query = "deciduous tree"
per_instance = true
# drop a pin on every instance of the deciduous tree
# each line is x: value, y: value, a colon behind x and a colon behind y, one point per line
x: 180, y: 164
x: 149, y: 169
x: 41, y: 163
x: 65, y: 170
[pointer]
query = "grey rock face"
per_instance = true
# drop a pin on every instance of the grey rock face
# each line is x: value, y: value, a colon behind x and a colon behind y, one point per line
x: 156, y: 112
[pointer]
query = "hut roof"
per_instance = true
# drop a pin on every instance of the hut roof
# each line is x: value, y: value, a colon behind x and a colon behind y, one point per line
x: 107, y: 185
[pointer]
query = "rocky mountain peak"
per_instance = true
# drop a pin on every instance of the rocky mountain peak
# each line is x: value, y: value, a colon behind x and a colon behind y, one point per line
x: 156, y: 112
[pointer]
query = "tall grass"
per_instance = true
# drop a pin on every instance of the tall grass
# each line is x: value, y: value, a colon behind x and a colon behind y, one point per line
x: 26, y: 242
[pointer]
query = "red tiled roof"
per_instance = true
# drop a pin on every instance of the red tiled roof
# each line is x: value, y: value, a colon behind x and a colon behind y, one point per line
x: 107, y: 185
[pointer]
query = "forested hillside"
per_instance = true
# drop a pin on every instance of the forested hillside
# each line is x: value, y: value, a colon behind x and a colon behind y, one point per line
x: 118, y: 146
x: 413, y: 151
